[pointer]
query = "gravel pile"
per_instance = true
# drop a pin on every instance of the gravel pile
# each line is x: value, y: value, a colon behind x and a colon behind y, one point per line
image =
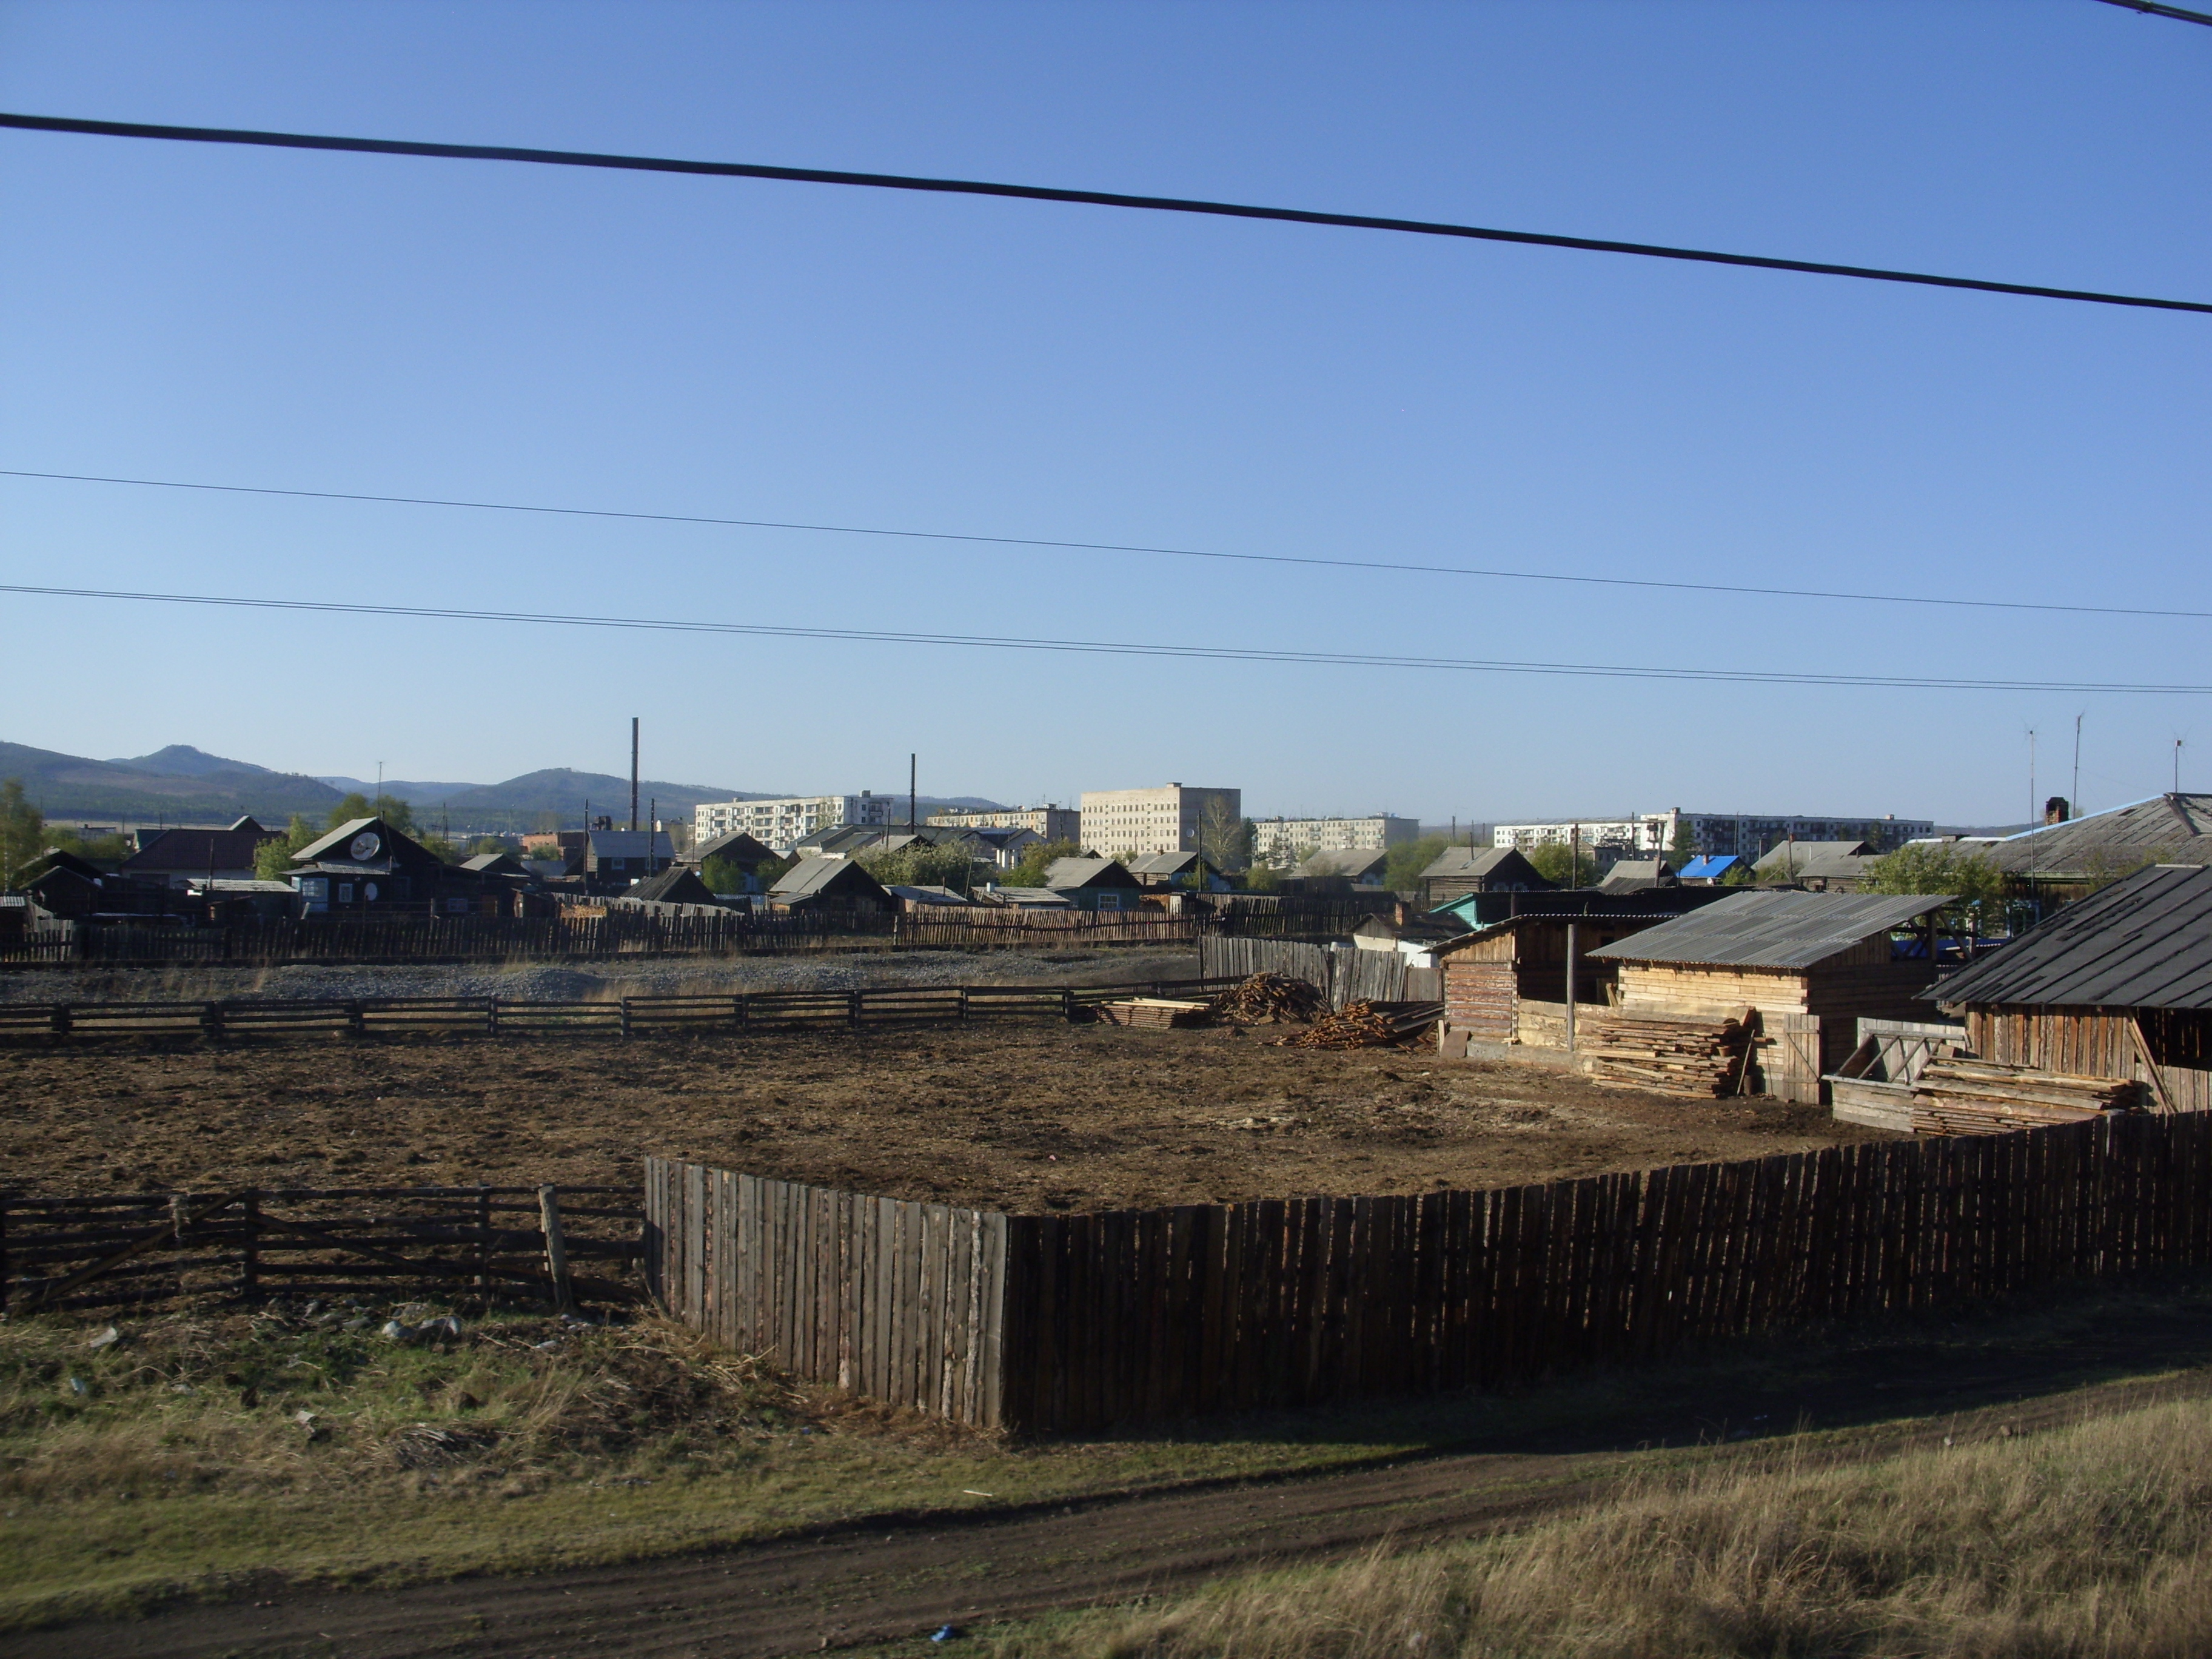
x: 604, y: 982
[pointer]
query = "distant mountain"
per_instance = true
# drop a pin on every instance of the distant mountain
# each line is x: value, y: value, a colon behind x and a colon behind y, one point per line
x: 181, y: 760
x: 415, y: 794
x: 214, y: 790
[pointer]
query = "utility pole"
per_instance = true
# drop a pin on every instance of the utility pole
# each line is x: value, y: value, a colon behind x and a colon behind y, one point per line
x: 2176, y: 766
x: 2073, y: 801
x: 633, y: 772
x: 2034, y: 808
x: 651, y: 835
x: 910, y: 797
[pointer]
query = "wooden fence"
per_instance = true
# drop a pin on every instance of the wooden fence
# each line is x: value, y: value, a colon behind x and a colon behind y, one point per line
x: 628, y: 1017
x: 479, y: 1244
x: 1098, y: 1318
x: 1343, y: 975
x: 622, y: 931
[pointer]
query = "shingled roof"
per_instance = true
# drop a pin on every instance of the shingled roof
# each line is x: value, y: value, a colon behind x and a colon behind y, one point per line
x: 2143, y: 943
x: 2171, y: 829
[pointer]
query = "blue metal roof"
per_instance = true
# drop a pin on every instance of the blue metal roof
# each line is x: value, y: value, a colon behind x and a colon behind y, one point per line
x: 1708, y: 868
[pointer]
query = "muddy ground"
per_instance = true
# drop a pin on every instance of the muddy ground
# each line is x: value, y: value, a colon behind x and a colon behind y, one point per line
x: 1019, y: 1116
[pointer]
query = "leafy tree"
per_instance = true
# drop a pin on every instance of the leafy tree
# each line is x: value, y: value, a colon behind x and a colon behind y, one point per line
x: 113, y: 845
x: 1972, y: 877
x: 1263, y: 878
x: 1403, y: 864
x: 727, y: 876
x: 22, y: 828
x: 483, y: 844
x: 1030, y: 872
x: 1738, y: 874
x: 392, y: 810
x: 272, y: 860
x: 1563, y: 865
x: 919, y: 864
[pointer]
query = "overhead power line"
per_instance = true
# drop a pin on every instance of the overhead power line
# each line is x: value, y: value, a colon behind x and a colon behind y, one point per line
x: 2150, y: 6
x: 1737, y: 589
x: 1126, y: 648
x: 568, y: 158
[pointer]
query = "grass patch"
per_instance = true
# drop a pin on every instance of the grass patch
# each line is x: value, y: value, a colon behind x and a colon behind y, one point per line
x: 2089, y: 1540
x: 222, y: 1454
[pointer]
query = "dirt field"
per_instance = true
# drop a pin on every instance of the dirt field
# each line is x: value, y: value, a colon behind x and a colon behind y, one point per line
x: 1023, y: 1117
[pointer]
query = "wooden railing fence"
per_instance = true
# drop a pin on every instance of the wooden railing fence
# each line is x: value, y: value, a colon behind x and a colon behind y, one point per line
x: 457, y: 1243
x: 1124, y: 1316
x: 627, y: 1017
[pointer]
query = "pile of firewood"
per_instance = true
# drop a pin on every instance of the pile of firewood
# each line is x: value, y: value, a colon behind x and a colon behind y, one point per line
x: 1673, y: 1056
x: 1967, y: 1097
x: 1356, y: 1025
x: 1268, y: 999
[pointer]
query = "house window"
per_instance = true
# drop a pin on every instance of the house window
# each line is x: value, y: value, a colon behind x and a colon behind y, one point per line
x: 345, y: 892
x: 317, y: 888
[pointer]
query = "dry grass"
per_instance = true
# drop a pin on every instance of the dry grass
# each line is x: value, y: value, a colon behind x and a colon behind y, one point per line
x: 2087, y: 1541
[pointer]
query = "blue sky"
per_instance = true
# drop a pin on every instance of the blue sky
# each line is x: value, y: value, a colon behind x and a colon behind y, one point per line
x: 782, y: 351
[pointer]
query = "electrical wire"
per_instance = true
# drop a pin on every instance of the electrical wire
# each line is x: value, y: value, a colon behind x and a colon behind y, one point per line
x: 1733, y: 588
x: 1123, y: 648
x: 2151, y: 7
x: 1046, y: 193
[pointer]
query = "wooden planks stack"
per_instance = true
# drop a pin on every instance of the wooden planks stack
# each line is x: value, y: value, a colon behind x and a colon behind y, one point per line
x: 1673, y: 1056
x: 1967, y: 1097
x: 1155, y: 1013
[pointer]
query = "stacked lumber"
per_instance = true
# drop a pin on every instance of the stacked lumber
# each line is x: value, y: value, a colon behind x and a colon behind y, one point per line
x: 1967, y: 1096
x: 1356, y: 1025
x: 1267, y: 1000
x: 1158, y: 1013
x: 1673, y: 1056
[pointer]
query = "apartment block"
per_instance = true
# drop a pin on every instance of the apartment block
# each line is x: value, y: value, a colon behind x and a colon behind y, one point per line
x: 1052, y: 823
x: 1282, y: 842
x: 784, y: 823
x: 1168, y: 820
x: 1747, y: 835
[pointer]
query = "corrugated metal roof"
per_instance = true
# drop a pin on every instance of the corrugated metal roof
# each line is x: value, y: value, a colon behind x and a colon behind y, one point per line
x: 1353, y: 863
x: 1773, y: 930
x: 2143, y: 943
x: 1708, y: 866
x: 1469, y: 860
x: 1160, y: 864
x: 1062, y: 873
x: 1811, y: 858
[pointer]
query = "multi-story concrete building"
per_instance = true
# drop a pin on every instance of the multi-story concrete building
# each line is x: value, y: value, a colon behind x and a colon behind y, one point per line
x: 1051, y: 822
x: 1749, y: 836
x: 1167, y: 819
x: 784, y: 823
x: 1282, y: 842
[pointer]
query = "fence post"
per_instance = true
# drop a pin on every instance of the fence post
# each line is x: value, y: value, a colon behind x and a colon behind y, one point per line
x: 483, y: 1240
x: 856, y: 1010
x: 356, y: 1019
x: 625, y: 1029
x: 1571, y: 989
x: 249, y: 1250
x: 556, y: 1249
x: 491, y: 1018
x: 211, y: 1020
x: 1067, y: 1003
x: 59, y: 1019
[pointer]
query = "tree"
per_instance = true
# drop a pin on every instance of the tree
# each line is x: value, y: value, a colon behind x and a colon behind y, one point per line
x: 483, y: 844
x: 1030, y: 872
x: 1225, y: 840
x: 1972, y: 877
x: 393, y: 811
x: 272, y: 860
x: 919, y: 864
x: 1561, y: 865
x: 1684, y: 847
x: 1403, y: 864
x: 1263, y: 878
x: 727, y: 876
x: 23, y: 828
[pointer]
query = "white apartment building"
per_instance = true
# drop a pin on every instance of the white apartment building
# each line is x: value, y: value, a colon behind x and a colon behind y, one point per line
x: 1282, y: 842
x: 1119, y: 822
x: 1051, y: 823
x: 1747, y: 835
x: 783, y: 823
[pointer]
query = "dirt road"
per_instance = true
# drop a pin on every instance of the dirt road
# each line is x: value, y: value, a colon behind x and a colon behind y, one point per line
x: 888, y: 1579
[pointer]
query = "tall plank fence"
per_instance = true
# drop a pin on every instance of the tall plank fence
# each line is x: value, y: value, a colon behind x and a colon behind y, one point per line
x: 1079, y: 1322
x: 1343, y: 975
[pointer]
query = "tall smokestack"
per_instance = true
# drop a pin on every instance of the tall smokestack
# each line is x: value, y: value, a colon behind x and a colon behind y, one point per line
x: 633, y: 771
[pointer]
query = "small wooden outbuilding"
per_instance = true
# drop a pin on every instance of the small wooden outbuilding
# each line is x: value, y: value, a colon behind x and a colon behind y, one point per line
x: 1508, y: 982
x: 1809, y: 964
x: 2117, y: 986
x: 829, y: 881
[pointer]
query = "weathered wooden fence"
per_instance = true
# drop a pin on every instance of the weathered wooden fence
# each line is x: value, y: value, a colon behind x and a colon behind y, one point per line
x: 1131, y: 1315
x: 627, y: 1017
x: 1343, y: 975
x: 620, y: 931
x: 454, y: 1243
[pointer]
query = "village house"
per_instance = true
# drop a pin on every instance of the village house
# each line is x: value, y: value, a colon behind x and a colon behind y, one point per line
x: 181, y: 857
x: 1094, y: 884
x: 366, y: 864
x: 2060, y: 863
x: 1822, y: 867
x: 1458, y: 871
x: 827, y: 882
x: 615, y: 858
x: 2117, y: 986
x: 1808, y: 964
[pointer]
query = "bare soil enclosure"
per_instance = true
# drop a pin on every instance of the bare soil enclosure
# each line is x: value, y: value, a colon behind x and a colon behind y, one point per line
x: 1018, y: 1117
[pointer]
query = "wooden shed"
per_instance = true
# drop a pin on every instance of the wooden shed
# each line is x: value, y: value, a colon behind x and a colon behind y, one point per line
x: 2117, y: 986
x: 1508, y: 982
x: 1810, y: 964
x: 829, y: 881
